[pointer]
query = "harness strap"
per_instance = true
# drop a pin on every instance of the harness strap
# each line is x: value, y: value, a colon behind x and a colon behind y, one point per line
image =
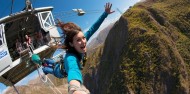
x: 61, y: 68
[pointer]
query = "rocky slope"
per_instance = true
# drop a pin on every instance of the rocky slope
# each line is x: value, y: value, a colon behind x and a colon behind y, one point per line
x: 99, y: 39
x: 146, y: 52
x: 36, y: 86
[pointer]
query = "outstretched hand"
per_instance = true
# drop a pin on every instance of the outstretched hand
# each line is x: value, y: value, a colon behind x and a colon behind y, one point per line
x: 108, y: 8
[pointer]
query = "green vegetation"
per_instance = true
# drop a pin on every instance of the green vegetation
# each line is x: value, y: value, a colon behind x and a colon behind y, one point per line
x: 155, y: 54
x: 155, y: 58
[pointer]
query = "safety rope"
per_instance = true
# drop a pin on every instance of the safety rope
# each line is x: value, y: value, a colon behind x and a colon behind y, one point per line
x: 45, y: 79
x: 54, y: 86
x: 16, y: 89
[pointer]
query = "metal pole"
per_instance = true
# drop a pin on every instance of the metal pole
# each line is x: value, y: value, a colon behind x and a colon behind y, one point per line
x: 12, y: 7
x: 16, y: 89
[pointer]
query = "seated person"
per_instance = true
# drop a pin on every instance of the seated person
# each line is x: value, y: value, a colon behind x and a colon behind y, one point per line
x: 39, y: 38
x: 19, y: 47
x: 28, y: 40
x: 29, y: 43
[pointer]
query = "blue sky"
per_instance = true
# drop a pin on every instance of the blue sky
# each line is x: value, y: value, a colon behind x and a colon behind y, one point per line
x: 93, y: 8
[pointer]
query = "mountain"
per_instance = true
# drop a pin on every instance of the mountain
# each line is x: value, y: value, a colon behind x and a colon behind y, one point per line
x: 99, y: 39
x: 146, y: 52
x: 36, y: 86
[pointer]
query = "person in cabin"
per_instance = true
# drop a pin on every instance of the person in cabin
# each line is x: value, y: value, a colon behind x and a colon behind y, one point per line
x: 50, y: 66
x: 19, y: 47
x: 29, y: 43
x: 28, y: 5
x: 45, y: 35
x: 75, y: 44
x: 39, y: 38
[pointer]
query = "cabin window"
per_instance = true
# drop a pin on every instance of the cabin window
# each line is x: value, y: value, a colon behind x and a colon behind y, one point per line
x: 1, y: 35
x: 46, y: 19
x: 16, y: 31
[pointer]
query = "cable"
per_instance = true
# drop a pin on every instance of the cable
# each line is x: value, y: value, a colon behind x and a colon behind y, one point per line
x: 72, y: 16
x: 62, y: 14
x: 54, y: 86
x: 71, y: 12
x: 16, y: 89
x: 12, y: 7
x: 46, y: 79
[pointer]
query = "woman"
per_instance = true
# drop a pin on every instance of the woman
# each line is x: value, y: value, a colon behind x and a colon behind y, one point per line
x: 29, y: 44
x: 19, y: 47
x: 53, y: 67
x: 75, y: 41
x: 28, y: 40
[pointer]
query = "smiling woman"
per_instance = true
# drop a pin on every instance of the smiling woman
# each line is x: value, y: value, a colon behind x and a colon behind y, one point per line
x: 75, y: 41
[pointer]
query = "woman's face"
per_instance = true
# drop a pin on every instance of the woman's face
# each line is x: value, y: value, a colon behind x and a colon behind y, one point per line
x: 79, y: 43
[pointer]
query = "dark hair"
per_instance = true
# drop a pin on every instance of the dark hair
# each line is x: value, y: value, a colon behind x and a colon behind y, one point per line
x: 70, y: 30
x: 66, y: 27
x: 69, y: 37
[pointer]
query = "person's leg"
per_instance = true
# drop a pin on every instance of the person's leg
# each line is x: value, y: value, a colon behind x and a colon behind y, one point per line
x: 49, y: 61
x: 47, y: 70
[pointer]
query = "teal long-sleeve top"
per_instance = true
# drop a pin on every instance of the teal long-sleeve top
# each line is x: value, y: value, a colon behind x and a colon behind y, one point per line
x: 71, y: 62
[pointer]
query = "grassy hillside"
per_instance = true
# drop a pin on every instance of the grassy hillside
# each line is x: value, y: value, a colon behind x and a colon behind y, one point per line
x: 150, y: 54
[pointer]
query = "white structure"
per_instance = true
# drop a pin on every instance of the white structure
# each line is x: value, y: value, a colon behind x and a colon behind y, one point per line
x: 15, y: 65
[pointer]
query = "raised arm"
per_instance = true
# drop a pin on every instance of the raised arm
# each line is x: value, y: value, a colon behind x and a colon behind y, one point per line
x: 97, y: 24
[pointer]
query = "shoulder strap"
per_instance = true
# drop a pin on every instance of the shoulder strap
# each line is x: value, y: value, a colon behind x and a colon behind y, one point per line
x: 62, y: 68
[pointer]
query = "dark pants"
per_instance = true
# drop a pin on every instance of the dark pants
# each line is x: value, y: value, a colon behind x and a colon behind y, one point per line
x: 49, y: 69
